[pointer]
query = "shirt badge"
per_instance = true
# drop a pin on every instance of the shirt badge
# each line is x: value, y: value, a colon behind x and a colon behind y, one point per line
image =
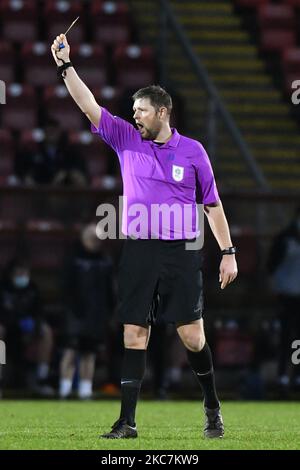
x: 177, y: 172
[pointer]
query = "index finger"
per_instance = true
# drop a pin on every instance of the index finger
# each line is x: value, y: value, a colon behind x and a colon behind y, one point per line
x: 225, y: 281
x: 63, y: 39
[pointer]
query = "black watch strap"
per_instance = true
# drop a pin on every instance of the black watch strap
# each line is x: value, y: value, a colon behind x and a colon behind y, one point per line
x: 61, y: 69
x: 229, y: 251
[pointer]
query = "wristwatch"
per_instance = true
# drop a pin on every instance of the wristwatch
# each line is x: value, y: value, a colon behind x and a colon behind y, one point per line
x: 61, y: 69
x: 229, y: 251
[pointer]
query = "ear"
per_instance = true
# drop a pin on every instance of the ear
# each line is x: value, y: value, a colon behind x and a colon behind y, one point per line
x: 163, y: 113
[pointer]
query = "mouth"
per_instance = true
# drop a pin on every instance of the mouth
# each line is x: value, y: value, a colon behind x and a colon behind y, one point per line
x: 140, y: 127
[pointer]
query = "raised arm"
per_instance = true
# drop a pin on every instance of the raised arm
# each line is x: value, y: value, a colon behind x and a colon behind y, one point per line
x: 80, y: 93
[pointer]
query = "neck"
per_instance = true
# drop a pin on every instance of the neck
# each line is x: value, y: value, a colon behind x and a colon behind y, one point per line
x: 164, y: 135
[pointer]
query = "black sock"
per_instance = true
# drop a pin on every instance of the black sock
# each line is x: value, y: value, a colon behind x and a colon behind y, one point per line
x: 134, y: 364
x: 201, y: 363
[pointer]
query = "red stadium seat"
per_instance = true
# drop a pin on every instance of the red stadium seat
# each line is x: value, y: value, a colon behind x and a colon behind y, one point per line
x: 94, y: 150
x: 60, y: 105
x: 19, y: 20
x: 38, y: 65
x: 135, y: 66
x: 290, y: 67
x: 276, y: 17
x: 90, y: 61
x: 59, y: 14
x: 278, y: 27
x: 291, y: 60
x: 107, y: 183
x: 7, y: 153
x: 20, y: 111
x: 245, y: 240
x: 29, y: 139
x: 293, y: 3
x: 109, y: 98
x: 289, y: 80
x: 276, y: 40
x: 110, y: 22
x: 7, y: 61
x: 233, y: 347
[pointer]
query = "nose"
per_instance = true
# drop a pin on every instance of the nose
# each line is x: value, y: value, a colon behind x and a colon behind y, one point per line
x: 135, y: 115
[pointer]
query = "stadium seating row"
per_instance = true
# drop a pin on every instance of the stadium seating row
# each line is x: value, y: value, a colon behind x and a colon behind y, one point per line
x: 24, y: 106
x: 48, y: 242
x: 131, y: 65
x: 96, y: 154
x: 278, y: 25
x: 106, y: 22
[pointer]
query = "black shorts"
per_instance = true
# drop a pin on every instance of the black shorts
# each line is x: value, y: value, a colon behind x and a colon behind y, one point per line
x: 160, y: 281
x: 85, y: 333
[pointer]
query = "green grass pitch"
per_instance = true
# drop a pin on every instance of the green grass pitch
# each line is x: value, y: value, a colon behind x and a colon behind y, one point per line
x: 161, y: 425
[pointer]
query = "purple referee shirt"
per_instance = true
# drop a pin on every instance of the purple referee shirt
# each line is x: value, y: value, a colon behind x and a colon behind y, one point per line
x: 159, y: 181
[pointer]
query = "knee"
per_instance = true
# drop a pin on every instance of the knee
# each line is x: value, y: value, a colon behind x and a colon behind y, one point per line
x: 135, y: 337
x: 195, y: 344
x: 194, y: 341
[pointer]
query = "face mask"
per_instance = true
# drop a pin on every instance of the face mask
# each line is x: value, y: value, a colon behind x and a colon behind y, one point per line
x: 21, y: 281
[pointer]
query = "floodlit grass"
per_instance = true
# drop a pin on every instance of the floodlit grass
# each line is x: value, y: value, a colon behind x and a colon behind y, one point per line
x: 161, y: 425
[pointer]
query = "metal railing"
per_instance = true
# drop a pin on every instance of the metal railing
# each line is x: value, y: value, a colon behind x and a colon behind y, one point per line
x: 216, y: 104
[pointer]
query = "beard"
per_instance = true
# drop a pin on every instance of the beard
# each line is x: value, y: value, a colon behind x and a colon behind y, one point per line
x: 150, y: 133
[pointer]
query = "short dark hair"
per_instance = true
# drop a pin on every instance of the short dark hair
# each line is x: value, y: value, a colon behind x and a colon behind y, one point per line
x: 157, y: 95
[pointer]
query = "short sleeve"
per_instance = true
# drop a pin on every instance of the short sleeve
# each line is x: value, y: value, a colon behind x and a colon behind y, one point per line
x: 114, y: 131
x: 207, y: 192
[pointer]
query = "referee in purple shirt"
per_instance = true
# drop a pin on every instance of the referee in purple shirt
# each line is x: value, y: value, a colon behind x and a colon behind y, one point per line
x: 158, y: 276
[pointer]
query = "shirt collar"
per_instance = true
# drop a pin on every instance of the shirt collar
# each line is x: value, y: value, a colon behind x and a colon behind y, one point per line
x: 173, y: 142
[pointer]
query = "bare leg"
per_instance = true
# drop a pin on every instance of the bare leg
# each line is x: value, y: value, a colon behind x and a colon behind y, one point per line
x: 45, y: 345
x: 44, y: 352
x: 86, y: 373
x: 67, y: 369
x: 87, y: 366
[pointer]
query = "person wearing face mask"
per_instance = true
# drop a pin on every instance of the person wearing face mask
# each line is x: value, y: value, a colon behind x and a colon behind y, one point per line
x: 22, y: 326
x: 284, y: 268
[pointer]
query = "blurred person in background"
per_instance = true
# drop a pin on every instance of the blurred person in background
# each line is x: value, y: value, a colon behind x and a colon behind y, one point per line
x: 284, y: 268
x: 89, y: 297
x: 22, y: 326
x: 55, y: 161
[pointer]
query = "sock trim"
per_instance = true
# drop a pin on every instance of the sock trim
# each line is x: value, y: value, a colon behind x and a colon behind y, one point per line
x: 205, y: 373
